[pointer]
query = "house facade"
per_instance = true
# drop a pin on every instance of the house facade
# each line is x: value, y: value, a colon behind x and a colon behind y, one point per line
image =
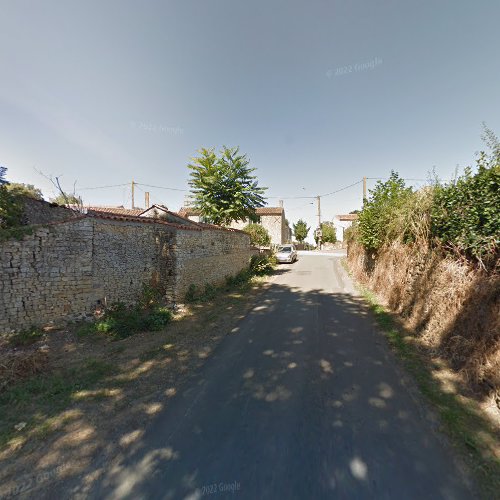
x: 342, y: 222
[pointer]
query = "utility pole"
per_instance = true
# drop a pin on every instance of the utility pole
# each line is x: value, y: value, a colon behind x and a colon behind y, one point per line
x: 146, y: 199
x: 133, y: 201
x: 318, y: 199
x: 364, y: 189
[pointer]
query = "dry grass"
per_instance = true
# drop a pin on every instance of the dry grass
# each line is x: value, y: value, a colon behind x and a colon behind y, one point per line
x: 453, y: 308
x: 15, y: 366
x: 94, y: 392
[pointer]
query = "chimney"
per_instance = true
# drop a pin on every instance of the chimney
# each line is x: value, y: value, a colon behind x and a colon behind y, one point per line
x: 281, y: 203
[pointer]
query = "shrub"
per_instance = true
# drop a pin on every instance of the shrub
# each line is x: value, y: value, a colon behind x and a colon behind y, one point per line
x: 377, y: 220
x: 11, y: 205
x: 120, y: 322
x: 259, y: 236
x: 262, y: 264
x: 191, y: 294
x: 25, y: 337
x: 466, y: 214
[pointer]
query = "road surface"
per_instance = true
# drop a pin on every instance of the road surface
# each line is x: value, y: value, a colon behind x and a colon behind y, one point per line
x: 304, y: 400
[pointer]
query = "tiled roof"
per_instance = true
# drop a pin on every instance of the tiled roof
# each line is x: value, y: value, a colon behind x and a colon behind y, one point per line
x: 269, y: 211
x: 188, y: 211
x: 143, y: 220
x: 347, y: 217
x: 173, y: 215
x: 115, y: 210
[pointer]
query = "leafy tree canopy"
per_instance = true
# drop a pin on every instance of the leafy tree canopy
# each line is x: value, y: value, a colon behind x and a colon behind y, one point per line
x: 379, y: 211
x: 259, y: 236
x: 3, y: 171
x: 223, y: 186
x: 328, y: 233
x: 66, y: 199
x: 300, y: 230
x: 29, y: 190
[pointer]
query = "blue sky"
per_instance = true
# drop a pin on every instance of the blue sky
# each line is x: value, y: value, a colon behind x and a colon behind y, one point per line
x: 317, y: 93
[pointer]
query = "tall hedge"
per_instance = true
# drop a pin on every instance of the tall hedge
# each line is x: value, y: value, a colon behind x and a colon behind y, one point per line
x: 465, y: 214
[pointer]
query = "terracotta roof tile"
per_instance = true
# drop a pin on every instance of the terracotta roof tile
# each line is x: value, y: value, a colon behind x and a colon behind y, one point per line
x: 347, y: 217
x: 188, y: 211
x: 115, y: 210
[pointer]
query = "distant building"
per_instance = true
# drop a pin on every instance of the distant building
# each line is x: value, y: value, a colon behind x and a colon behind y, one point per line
x: 271, y: 218
x: 342, y: 222
x: 154, y: 211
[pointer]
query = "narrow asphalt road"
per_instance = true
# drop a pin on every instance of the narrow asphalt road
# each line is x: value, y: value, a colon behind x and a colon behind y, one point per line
x: 304, y: 400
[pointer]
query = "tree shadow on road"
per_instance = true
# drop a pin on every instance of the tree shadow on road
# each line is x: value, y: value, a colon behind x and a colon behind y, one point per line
x: 305, y: 387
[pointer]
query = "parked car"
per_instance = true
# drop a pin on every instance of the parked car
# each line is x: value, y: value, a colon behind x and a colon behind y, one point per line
x: 286, y: 253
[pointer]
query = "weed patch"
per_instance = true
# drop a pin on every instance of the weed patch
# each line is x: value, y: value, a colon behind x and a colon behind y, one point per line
x: 260, y: 265
x: 49, y: 394
x: 120, y: 321
x: 25, y: 337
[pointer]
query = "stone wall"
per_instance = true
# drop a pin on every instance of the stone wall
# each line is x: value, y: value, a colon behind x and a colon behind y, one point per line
x: 46, y: 276
x: 65, y: 270
x: 209, y: 256
x: 43, y: 212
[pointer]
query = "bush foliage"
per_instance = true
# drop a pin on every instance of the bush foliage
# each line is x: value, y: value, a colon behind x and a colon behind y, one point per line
x: 120, y: 321
x: 259, y: 235
x: 465, y: 215
x: 11, y: 205
x: 462, y: 217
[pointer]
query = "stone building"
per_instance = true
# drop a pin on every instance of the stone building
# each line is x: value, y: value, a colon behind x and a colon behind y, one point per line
x: 342, y: 222
x: 271, y: 218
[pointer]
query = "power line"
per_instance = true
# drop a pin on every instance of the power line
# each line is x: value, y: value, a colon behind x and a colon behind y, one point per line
x: 341, y: 189
x: 290, y: 197
x: 102, y: 187
x: 161, y: 187
x: 312, y: 197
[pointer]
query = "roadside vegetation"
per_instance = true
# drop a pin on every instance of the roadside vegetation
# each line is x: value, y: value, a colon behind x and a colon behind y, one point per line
x: 301, y: 230
x: 11, y: 205
x: 461, y: 217
x: 431, y: 258
x: 259, y: 235
x: 328, y: 233
x: 474, y: 436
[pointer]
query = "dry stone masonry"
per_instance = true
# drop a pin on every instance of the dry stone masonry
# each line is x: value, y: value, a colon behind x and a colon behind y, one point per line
x: 64, y: 270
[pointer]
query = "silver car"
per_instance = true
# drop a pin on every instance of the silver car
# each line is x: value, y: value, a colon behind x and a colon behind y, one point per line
x: 286, y: 253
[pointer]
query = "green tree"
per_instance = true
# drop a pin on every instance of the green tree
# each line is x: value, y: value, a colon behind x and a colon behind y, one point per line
x: 300, y: 230
x: 259, y: 236
x: 66, y: 199
x: 376, y: 221
x: 17, y: 188
x: 328, y: 233
x: 223, y: 188
x: 11, y: 206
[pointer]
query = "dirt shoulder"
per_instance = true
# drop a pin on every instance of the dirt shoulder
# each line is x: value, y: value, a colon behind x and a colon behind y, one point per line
x: 93, y: 397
